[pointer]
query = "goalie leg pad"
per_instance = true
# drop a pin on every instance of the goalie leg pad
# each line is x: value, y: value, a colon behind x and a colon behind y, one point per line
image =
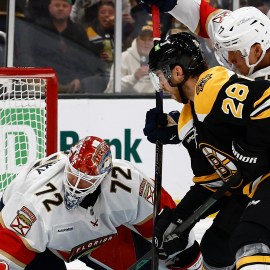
x: 216, y: 249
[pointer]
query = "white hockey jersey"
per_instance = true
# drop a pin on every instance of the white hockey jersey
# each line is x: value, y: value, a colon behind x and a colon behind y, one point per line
x: 204, y: 20
x: 34, y: 209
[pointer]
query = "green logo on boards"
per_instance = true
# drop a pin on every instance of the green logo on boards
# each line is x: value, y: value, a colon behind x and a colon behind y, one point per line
x: 126, y: 150
x: 130, y: 148
x: 22, y: 140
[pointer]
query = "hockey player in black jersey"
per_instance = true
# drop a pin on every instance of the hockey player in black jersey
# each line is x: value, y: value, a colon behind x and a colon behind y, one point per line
x: 226, y: 118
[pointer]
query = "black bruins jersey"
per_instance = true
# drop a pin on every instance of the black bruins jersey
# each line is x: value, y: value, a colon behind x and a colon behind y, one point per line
x: 204, y: 173
x: 229, y: 107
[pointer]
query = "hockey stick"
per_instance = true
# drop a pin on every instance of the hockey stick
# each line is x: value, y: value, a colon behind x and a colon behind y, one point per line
x: 197, y: 214
x: 159, y: 146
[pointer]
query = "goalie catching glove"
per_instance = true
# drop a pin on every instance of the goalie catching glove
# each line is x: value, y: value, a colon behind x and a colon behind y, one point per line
x: 161, y: 127
x: 166, y: 242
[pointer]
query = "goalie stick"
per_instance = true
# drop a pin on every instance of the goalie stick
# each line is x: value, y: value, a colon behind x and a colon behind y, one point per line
x: 159, y: 146
x: 234, y: 180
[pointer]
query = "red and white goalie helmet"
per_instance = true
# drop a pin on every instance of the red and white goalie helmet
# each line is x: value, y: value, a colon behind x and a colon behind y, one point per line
x: 239, y: 31
x: 88, y: 162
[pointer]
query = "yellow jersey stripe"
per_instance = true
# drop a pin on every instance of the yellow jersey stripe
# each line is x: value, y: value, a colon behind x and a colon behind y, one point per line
x: 258, y: 259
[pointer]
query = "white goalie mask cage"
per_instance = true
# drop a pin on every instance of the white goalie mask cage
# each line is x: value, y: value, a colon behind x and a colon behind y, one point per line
x: 239, y: 31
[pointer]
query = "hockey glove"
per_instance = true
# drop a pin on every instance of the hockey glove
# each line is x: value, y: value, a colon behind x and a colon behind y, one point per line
x: 163, y: 221
x: 3, y: 266
x: 166, y: 242
x: 252, y: 161
x: 189, y: 259
x: 162, y: 127
x: 163, y: 5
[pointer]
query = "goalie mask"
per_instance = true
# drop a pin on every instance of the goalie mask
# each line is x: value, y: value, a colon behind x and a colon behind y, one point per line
x: 239, y: 31
x: 88, y: 163
x: 181, y: 49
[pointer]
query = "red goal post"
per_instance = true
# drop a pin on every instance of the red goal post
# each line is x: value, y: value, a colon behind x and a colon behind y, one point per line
x: 28, y: 118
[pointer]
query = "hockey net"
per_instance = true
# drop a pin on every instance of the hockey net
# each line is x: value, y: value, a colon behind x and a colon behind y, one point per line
x: 28, y: 118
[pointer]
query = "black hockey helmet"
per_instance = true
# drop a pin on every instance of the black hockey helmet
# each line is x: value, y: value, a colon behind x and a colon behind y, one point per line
x: 181, y: 49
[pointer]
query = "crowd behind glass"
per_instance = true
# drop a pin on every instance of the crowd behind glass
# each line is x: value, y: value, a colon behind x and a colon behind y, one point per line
x: 76, y: 38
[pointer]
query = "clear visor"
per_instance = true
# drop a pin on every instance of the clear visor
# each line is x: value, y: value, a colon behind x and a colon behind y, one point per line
x: 155, y: 81
x: 222, y: 55
x: 81, y: 184
x: 160, y: 77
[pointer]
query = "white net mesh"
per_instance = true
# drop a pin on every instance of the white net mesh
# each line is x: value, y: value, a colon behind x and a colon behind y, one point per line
x: 22, y: 125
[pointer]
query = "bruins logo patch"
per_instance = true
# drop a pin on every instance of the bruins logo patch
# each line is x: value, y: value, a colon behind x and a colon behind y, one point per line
x: 201, y: 83
x: 222, y: 163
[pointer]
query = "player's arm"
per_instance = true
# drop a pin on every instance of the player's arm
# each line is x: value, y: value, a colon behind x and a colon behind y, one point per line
x: 252, y: 151
x: 22, y: 232
x: 200, y: 17
x: 195, y: 14
x: 193, y: 199
x: 188, y: 253
x: 14, y: 250
x: 142, y: 198
x: 145, y: 207
x: 180, y: 248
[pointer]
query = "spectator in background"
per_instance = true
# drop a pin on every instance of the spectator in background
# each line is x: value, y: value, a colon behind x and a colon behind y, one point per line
x: 19, y: 12
x: 262, y: 5
x: 86, y: 12
x: 226, y: 4
x: 134, y: 69
x: 59, y: 43
x: 37, y: 9
x: 101, y: 32
x: 80, y: 10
